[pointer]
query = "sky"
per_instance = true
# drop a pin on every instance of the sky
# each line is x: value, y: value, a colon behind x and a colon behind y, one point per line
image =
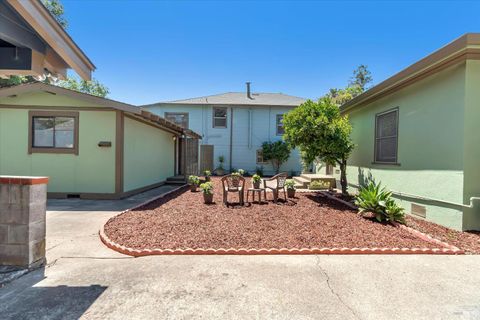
x: 151, y: 51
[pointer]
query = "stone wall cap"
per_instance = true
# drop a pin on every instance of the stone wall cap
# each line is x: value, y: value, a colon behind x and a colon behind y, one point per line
x: 23, y: 180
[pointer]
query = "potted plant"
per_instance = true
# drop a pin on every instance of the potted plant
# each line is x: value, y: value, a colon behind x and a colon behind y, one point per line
x: 207, y: 174
x: 256, y: 179
x: 241, y: 172
x: 236, y: 179
x: 194, y: 181
x: 290, y: 185
x: 207, y: 189
x: 220, y: 171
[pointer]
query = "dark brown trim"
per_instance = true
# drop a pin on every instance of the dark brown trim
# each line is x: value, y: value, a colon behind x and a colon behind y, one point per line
x: 76, y: 139
x: 53, y: 108
x: 395, y: 162
x: 119, y: 150
x: 151, y: 124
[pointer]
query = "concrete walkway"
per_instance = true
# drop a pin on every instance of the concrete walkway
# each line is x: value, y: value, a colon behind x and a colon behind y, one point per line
x: 84, y: 279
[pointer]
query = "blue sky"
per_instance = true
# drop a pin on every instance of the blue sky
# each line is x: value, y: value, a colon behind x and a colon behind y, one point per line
x: 149, y: 51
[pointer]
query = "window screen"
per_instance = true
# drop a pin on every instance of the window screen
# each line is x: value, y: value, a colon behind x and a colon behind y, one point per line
x: 280, y: 130
x: 386, y: 137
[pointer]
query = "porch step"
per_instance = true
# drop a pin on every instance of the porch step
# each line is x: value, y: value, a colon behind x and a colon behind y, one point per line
x: 301, y: 182
x: 176, y: 180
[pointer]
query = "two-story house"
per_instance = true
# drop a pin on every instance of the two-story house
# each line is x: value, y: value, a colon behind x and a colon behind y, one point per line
x: 234, y: 125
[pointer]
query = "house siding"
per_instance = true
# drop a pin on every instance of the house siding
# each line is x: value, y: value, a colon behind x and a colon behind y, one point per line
x: 148, y: 155
x: 247, y: 136
x: 430, y: 145
x: 91, y: 171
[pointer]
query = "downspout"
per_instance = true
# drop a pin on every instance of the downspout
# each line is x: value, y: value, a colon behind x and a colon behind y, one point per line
x: 231, y: 138
x: 250, y: 127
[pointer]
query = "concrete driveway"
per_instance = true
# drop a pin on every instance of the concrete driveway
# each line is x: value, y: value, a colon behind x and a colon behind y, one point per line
x: 84, y: 279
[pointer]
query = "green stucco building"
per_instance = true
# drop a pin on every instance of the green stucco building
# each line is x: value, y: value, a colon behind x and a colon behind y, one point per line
x: 418, y: 133
x: 88, y: 146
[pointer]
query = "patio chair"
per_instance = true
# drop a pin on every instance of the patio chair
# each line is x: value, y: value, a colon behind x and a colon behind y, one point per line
x: 276, y: 183
x: 233, y: 183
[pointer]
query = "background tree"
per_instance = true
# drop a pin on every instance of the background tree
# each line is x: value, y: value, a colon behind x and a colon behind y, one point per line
x: 319, y: 130
x: 276, y: 152
x: 359, y: 82
x: 93, y: 87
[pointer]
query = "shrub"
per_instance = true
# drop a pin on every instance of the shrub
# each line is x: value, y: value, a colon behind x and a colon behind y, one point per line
x: 241, y: 172
x: 256, y: 178
x: 207, y: 187
x: 378, y: 201
x: 259, y: 171
x: 194, y: 180
x: 276, y: 152
x: 236, y: 174
x: 319, y: 185
x: 207, y: 173
x: 290, y: 184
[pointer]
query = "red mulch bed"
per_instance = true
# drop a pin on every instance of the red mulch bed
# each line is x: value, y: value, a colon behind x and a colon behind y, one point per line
x: 469, y: 241
x: 310, y: 220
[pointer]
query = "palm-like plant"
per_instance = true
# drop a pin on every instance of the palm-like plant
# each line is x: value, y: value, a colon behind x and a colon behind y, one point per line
x: 377, y: 200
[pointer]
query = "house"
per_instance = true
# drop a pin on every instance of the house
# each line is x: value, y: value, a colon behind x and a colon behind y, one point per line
x: 89, y: 147
x: 418, y: 134
x: 33, y: 43
x: 234, y: 125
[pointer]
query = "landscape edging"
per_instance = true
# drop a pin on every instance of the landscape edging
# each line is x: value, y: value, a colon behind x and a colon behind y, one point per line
x: 447, y: 250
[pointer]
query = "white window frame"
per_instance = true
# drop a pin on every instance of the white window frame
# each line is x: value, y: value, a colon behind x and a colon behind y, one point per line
x: 178, y: 113
x: 258, y: 155
x: 279, y: 124
x: 214, y: 117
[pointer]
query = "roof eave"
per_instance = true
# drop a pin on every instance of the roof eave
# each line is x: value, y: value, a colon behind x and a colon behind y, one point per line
x: 465, y: 47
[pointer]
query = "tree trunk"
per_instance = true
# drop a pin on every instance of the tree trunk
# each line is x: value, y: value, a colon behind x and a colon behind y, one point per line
x: 343, y: 176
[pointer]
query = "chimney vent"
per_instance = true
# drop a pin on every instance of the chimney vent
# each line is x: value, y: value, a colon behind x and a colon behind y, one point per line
x: 249, y: 93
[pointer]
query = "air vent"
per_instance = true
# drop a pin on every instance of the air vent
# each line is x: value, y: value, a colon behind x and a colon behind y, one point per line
x: 419, y: 211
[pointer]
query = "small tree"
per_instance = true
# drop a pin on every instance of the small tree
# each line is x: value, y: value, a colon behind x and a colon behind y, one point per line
x: 321, y: 133
x: 276, y: 152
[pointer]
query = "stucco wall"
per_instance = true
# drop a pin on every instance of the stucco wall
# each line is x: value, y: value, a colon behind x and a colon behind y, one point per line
x: 148, y: 155
x: 245, y: 140
x: 430, y: 144
x: 91, y: 171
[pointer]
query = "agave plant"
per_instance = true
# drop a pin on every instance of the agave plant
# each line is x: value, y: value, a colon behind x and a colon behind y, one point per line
x: 378, y: 201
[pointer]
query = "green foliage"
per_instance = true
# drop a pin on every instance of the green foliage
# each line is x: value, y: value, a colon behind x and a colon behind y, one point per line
x: 361, y: 78
x: 241, y: 172
x: 92, y: 87
x: 207, y: 187
x: 319, y: 185
x: 256, y: 178
x: 207, y: 173
x: 57, y: 11
x: 236, y: 174
x: 356, y: 86
x: 194, y: 180
x: 321, y: 133
x: 276, y: 152
x: 378, y: 201
x: 259, y: 171
x: 290, y: 184
x: 221, y: 160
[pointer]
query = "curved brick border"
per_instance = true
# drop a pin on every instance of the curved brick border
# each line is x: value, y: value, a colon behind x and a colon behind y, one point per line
x: 447, y: 248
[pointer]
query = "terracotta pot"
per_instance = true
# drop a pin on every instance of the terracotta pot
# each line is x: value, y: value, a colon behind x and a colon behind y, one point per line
x: 208, y: 198
x: 193, y: 187
x: 291, y: 193
x: 256, y: 185
x: 220, y: 172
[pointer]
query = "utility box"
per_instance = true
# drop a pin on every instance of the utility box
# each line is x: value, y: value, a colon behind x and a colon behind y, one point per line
x: 23, y: 203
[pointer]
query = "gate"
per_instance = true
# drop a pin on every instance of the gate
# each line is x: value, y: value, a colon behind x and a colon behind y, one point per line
x: 206, y: 157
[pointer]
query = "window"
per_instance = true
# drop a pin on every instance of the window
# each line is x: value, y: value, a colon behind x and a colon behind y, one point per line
x: 53, y: 132
x: 260, y: 156
x: 219, y: 117
x: 386, y: 136
x: 280, y: 130
x: 179, y: 118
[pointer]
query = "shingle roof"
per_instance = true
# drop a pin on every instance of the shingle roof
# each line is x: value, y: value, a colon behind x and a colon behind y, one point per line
x: 240, y: 98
